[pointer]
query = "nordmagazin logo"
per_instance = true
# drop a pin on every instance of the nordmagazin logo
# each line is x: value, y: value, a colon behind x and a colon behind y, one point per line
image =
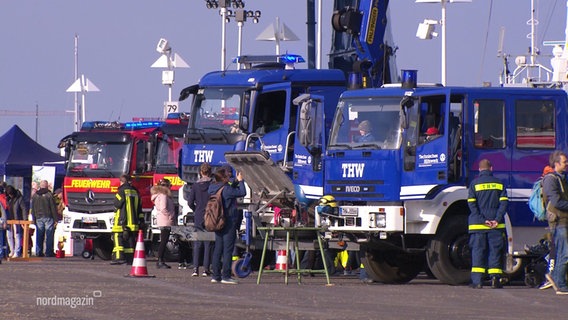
x: 69, y: 301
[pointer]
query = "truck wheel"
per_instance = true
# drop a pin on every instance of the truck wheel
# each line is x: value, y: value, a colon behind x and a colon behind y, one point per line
x: 103, y: 247
x: 448, y: 253
x: 392, y: 266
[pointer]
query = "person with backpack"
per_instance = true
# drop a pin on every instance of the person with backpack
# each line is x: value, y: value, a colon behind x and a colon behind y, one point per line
x: 197, y: 201
x: 552, y: 252
x: 555, y: 190
x: 165, y: 217
x: 487, y: 200
x: 225, y: 238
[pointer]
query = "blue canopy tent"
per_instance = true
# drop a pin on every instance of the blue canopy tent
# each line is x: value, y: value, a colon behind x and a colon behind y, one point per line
x: 19, y: 152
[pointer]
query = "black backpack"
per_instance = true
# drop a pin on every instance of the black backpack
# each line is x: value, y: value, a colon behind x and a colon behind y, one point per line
x: 214, y: 217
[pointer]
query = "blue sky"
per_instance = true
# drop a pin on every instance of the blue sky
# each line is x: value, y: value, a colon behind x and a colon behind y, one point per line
x: 117, y: 41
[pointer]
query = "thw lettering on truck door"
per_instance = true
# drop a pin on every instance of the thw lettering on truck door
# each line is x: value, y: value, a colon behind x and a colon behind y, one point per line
x: 203, y: 155
x: 353, y: 170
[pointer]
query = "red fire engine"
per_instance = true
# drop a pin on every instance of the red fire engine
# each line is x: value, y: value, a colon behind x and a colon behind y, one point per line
x: 99, y: 154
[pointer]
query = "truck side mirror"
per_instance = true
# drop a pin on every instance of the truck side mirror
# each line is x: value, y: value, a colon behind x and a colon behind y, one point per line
x: 406, y: 103
x: 243, y: 125
x: 305, y: 129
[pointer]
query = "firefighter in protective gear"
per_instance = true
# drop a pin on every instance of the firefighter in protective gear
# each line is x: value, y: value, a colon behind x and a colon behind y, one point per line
x: 487, y: 202
x: 128, y: 217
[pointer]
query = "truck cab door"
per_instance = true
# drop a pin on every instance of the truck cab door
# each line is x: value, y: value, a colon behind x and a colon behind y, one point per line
x: 427, y: 145
x: 309, y: 145
x: 274, y: 121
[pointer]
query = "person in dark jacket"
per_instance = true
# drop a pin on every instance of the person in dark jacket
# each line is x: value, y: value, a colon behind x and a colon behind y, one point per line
x: 44, y: 214
x: 555, y: 189
x: 225, y: 239
x: 128, y: 218
x: 233, y: 183
x: 17, y: 210
x: 3, y: 223
x: 197, y: 201
x: 487, y: 200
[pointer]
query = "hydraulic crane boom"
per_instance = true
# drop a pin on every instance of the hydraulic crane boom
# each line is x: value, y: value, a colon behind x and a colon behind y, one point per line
x: 362, y: 42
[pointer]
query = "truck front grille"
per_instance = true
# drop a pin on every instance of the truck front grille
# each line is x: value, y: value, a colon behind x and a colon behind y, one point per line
x: 99, y: 203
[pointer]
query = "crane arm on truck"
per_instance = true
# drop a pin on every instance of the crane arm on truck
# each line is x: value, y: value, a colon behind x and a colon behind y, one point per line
x: 367, y: 50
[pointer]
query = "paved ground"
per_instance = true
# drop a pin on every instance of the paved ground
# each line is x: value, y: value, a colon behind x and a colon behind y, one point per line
x: 74, y: 288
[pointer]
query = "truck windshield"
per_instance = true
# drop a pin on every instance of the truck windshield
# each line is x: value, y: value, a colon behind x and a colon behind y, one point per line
x: 366, y: 123
x: 91, y: 159
x: 217, y: 109
x: 167, y: 154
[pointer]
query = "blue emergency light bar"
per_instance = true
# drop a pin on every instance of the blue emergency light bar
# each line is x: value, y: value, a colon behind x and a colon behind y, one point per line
x: 100, y: 125
x: 283, y: 58
x: 142, y: 125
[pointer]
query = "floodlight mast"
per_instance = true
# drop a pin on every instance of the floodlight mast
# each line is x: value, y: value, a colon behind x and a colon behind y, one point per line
x: 240, y: 16
x: 169, y: 61
x: 443, y: 26
x: 226, y: 16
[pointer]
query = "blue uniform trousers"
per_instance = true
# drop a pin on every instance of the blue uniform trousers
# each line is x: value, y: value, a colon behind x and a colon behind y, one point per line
x: 486, y: 254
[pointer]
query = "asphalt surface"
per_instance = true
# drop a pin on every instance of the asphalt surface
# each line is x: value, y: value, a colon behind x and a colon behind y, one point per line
x: 75, y: 288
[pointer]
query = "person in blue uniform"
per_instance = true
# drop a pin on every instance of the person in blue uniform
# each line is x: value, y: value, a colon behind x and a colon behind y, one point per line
x: 487, y: 200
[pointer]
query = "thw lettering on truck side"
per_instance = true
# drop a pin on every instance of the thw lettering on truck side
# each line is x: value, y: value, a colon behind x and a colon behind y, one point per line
x: 203, y: 155
x: 353, y: 170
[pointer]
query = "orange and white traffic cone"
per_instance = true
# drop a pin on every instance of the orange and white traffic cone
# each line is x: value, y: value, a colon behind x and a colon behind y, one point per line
x: 281, y: 261
x: 139, y: 263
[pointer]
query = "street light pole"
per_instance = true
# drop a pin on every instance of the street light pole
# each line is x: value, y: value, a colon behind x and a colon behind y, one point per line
x: 241, y: 17
x: 169, y: 61
x: 223, y: 35
x: 443, y: 26
x: 443, y: 23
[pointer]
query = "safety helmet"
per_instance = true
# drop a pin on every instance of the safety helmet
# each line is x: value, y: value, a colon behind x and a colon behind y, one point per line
x: 328, y: 200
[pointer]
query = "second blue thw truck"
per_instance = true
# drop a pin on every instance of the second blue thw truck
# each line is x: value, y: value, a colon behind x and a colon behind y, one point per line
x: 403, y: 196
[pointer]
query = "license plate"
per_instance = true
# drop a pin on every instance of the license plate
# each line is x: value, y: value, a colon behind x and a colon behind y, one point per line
x: 349, y: 211
x: 89, y: 219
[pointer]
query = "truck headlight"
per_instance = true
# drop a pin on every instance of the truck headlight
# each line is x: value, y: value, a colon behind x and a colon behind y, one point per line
x: 381, y: 220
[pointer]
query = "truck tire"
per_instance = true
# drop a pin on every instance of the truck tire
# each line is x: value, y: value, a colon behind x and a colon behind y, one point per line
x: 102, y: 246
x: 448, y: 253
x: 392, y: 266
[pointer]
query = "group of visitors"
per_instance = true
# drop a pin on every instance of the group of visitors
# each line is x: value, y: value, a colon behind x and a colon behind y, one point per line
x: 44, y: 214
x: 487, y: 200
x: 208, y: 184
x: 127, y: 221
